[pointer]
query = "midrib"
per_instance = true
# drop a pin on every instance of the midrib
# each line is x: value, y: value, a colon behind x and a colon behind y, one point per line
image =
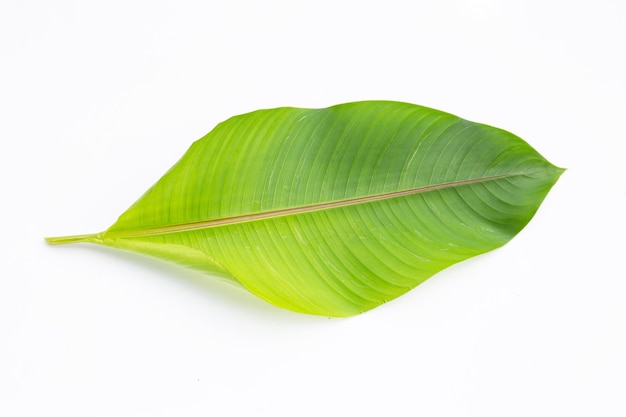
x: 244, y: 218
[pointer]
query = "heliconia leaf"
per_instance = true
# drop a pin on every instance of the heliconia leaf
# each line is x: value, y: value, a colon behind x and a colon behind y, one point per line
x: 335, y: 211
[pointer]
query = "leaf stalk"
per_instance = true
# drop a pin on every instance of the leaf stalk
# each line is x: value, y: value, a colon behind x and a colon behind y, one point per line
x: 62, y: 240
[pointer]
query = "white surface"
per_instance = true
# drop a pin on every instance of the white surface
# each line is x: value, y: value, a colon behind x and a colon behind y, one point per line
x: 537, y: 328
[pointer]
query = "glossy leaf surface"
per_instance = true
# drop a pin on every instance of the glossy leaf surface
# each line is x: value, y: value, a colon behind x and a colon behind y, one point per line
x: 335, y: 211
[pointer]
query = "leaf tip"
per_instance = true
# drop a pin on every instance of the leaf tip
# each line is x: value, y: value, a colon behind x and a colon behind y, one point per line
x: 559, y: 171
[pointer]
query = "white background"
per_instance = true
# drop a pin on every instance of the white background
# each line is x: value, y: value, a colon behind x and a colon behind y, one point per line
x: 99, y: 99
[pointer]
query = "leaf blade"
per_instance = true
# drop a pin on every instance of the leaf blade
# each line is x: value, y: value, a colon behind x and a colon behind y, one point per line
x: 335, y: 211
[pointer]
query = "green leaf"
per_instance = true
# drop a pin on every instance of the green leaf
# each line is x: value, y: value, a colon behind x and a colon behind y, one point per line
x: 335, y: 211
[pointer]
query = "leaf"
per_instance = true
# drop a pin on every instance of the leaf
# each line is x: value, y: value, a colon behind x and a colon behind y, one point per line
x: 335, y: 211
